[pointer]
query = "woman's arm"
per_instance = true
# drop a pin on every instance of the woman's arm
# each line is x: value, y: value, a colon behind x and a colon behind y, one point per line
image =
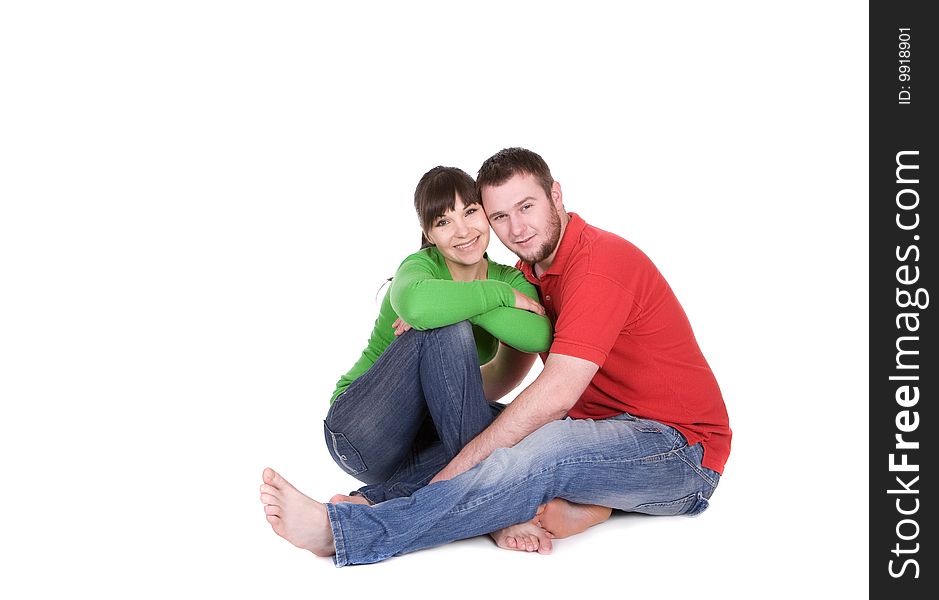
x: 502, y: 374
x: 520, y: 329
x: 523, y: 330
x: 425, y: 301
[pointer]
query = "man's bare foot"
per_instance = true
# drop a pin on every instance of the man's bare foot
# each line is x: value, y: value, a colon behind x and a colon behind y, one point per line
x: 526, y: 537
x: 564, y: 519
x: 360, y: 499
x: 295, y: 517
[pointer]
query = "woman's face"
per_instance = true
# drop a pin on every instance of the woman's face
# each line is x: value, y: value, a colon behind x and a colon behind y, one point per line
x: 462, y: 234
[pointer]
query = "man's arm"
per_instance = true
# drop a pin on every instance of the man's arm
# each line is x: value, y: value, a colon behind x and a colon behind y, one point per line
x: 548, y: 398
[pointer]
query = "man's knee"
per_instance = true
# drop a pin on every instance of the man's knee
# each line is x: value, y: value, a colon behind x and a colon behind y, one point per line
x: 549, y: 444
x: 540, y: 446
x: 548, y: 434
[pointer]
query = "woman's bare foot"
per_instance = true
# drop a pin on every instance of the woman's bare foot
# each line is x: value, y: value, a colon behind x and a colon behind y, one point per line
x: 526, y: 537
x: 295, y: 517
x: 564, y: 519
x: 360, y: 499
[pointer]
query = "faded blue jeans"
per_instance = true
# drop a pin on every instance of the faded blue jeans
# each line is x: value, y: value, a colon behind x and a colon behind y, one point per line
x: 623, y: 462
x: 399, y: 423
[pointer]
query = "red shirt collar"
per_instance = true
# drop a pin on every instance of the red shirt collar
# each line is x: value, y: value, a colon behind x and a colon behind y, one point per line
x: 568, y: 243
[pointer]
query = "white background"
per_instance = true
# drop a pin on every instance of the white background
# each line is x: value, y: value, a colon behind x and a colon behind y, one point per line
x: 200, y: 201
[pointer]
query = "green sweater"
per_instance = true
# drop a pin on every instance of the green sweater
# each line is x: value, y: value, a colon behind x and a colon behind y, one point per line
x: 425, y: 296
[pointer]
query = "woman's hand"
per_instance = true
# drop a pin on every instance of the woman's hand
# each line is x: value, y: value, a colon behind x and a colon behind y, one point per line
x: 525, y: 303
x: 400, y: 326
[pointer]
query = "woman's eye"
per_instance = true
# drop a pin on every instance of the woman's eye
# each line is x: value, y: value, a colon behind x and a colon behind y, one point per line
x: 470, y: 211
x: 441, y: 223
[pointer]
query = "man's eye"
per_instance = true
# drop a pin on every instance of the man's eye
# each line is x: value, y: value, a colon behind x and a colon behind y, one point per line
x: 526, y: 206
x: 497, y: 217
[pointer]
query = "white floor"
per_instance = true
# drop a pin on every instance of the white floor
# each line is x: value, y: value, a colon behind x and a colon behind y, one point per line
x: 763, y: 536
x: 169, y: 508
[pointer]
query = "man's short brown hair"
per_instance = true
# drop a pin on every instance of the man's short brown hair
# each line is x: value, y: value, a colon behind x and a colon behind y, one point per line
x: 506, y: 163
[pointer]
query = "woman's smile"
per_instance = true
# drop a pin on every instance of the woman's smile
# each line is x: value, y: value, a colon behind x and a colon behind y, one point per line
x: 468, y: 245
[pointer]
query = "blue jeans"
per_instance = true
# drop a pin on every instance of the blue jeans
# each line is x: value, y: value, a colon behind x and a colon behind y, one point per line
x: 623, y: 462
x: 399, y: 423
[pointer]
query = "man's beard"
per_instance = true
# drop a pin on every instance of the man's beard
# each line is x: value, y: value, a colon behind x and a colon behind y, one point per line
x: 552, y: 237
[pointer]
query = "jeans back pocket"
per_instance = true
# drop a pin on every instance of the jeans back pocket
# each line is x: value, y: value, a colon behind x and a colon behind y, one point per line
x: 343, y: 452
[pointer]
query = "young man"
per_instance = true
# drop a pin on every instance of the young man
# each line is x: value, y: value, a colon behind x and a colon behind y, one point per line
x: 626, y: 413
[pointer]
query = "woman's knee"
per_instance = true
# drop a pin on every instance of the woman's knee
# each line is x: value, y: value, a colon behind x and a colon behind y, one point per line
x: 454, y: 341
x: 455, y: 333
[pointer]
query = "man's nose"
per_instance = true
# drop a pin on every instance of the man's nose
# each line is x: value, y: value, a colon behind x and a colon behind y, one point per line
x: 516, y: 227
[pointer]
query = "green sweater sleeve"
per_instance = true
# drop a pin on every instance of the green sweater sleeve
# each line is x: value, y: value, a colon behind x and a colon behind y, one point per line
x: 521, y: 329
x: 425, y: 297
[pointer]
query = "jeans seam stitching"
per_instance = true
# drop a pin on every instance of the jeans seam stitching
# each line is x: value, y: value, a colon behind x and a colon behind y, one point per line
x: 697, y: 470
x: 683, y: 500
x: 339, y: 542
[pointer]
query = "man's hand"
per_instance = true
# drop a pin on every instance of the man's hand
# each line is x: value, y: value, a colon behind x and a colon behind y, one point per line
x: 400, y: 326
x: 525, y: 303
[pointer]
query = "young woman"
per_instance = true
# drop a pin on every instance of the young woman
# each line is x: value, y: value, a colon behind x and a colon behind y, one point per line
x: 417, y: 394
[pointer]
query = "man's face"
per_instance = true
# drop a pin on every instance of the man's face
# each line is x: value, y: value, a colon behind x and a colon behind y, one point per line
x: 524, y: 218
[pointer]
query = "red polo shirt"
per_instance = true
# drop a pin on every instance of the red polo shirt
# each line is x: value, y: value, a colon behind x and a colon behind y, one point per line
x: 611, y: 306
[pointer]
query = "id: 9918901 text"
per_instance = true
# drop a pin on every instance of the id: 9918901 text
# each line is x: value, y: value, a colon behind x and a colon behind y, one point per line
x: 903, y: 72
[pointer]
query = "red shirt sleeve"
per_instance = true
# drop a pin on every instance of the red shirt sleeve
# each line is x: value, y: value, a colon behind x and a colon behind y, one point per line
x: 592, y: 312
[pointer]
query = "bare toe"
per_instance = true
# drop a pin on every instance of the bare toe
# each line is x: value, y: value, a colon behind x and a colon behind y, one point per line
x: 294, y: 516
x: 273, y: 478
x: 268, y: 475
x: 276, y: 524
x: 524, y: 537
